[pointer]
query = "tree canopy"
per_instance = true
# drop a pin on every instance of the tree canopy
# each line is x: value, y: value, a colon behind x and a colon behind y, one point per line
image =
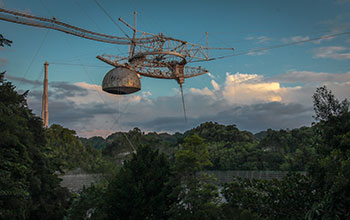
x: 29, y: 187
x: 4, y: 41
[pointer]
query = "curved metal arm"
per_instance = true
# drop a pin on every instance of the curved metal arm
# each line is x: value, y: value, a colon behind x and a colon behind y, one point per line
x: 21, y: 18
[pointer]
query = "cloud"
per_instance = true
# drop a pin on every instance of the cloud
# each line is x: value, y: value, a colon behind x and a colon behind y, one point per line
x: 260, y: 39
x: 251, y: 101
x: 332, y: 52
x: 2, y: 4
x: 250, y: 88
x: 301, y: 39
x: 215, y: 85
x: 254, y: 118
x: 339, y: 24
x: 204, y: 91
x: 62, y: 90
x: 211, y: 75
x: 305, y: 77
x: 23, y: 80
x: 295, y: 39
x: 257, y: 53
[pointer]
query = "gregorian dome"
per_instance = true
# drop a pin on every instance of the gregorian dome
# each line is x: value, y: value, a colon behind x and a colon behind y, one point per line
x: 121, y: 81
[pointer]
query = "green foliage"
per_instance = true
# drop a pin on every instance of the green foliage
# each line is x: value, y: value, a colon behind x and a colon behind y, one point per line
x: 288, y: 150
x: 29, y: 189
x: 193, y: 156
x: 148, y: 186
x: 139, y: 190
x: 197, y: 196
x: 232, y: 156
x: 289, y: 198
x: 4, y: 41
x: 96, y: 142
x: 324, y: 150
x: 214, y: 132
x: 68, y: 149
x: 330, y: 169
x: 88, y: 204
x: 119, y: 145
x: 229, y: 213
x: 260, y: 135
x: 326, y: 105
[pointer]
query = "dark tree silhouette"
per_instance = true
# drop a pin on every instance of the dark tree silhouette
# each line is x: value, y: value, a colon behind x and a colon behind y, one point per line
x: 4, y: 41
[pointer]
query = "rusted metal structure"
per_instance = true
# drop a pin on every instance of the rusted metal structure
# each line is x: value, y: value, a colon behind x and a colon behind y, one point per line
x: 150, y: 55
x: 45, y: 102
x: 121, y: 81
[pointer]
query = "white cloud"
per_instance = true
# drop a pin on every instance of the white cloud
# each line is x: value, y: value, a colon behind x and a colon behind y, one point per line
x: 249, y: 100
x: 211, y: 75
x: 146, y: 93
x: 260, y: 39
x: 242, y: 77
x: 295, y: 39
x: 310, y: 77
x: 204, y: 91
x: 301, y: 39
x: 332, y: 52
x: 250, y: 88
x: 215, y: 85
x: 95, y: 94
x: 257, y: 53
x: 246, y: 89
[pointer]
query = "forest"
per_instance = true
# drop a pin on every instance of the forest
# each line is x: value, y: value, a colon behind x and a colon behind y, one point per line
x: 158, y: 175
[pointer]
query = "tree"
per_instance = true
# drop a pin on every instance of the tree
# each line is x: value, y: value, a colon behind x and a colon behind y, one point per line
x: 289, y: 198
x: 197, y: 196
x: 326, y: 105
x: 89, y: 203
x: 29, y: 187
x: 214, y: 132
x: 330, y: 169
x: 140, y: 189
x: 68, y: 149
x: 4, y: 41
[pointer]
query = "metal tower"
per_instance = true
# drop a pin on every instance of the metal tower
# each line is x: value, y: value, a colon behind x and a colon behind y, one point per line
x: 45, y: 107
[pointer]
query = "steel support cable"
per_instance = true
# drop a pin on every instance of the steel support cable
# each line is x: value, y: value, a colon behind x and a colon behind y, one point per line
x: 87, y: 14
x: 116, y: 119
x: 275, y: 46
x: 183, y: 102
x: 34, y: 57
x: 86, y: 72
x: 110, y: 17
x: 37, y: 79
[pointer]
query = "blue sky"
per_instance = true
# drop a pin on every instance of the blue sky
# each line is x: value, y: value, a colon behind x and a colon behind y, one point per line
x: 256, y: 91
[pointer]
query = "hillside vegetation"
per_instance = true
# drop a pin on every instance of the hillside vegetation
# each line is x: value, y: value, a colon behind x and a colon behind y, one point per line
x: 158, y: 176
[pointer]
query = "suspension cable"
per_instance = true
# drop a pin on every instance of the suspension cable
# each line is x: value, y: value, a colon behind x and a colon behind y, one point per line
x: 274, y: 47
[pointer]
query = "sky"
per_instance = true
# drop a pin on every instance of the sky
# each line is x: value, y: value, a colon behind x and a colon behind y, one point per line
x: 254, y: 89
